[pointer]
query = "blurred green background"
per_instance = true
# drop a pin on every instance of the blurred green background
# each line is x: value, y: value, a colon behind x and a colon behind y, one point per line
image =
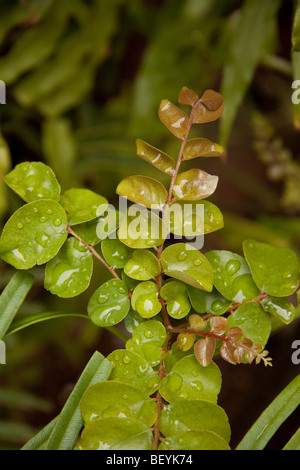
x: 84, y: 79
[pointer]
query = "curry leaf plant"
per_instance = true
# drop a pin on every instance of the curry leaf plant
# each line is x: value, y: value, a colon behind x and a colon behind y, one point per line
x: 180, y: 306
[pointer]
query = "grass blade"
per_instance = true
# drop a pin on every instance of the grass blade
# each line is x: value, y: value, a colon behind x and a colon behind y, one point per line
x: 69, y: 422
x: 39, y: 441
x: 272, y: 418
x: 294, y: 442
x: 12, y: 298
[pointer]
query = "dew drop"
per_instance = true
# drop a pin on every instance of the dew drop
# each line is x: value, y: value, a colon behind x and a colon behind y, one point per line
x: 197, y: 385
x: 35, y: 209
x: 42, y: 219
x: 149, y: 334
x: 122, y: 290
x: 197, y: 262
x: 102, y: 299
x: 27, y: 220
x: 49, y: 211
x: 57, y: 222
x: 126, y: 360
x: 232, y: 266
x: 114, y: 283
x: 181, y: 256
x: 29, y: 244
x: 216, y: 306
x: 20, y: 225
x: 115, y: 296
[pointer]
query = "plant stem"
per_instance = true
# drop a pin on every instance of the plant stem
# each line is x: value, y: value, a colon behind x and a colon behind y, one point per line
x: 93, y: 251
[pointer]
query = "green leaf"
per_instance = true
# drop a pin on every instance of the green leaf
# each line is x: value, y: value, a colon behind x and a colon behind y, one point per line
x: 69, y: 422
x: 82, y: 205
x: 155, y: 157
x: 233, y: 278
x: 115, y: 434
x: 143, y: 190
x: 176, y: 296
x: 145, y: 299
x: 187, y: 264
x: 147, y: 340
x: 142, y: 266
x: 201, y: 147
x: 194, y: 415
x: 253, y: 321
x: 188, y: 380
x: 256, y: 21
x: 115, y: 253
x: 194, y: 184
x: 194, y: 218
x: 208, y: 302
x: 95, y: 230
x: 173, y: 118
x: 195, y: 440
x: 33, y: 234
x: 275, y: 269
x: 109, y: 304
x: 33, y: 181
x: 174, y: 355
x: 39, y: 441
x: 272, y: 418
x: 281, y: 308
x: 133, y: 320
x: 12, y: 298
x: 294, y: 442
x: 69, y: 273
x: 131, y: 368
x: 106, y: 399
x: 142, y: 231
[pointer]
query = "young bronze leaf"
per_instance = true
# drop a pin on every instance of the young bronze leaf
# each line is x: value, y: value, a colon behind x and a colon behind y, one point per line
x: 209, y: 108
x: 187, y: 96
x: 234, y: 333
x: 212, y: 100
x: 155, y: 157
x: 218, y: 325
x: 194, y: 184
x: 201, y: 147
x: 227, y: 352
x: 204, y: 350
x: 173, y: 118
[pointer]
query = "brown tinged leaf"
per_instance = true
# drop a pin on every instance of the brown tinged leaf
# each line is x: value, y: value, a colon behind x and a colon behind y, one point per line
x: 227, y: 352
x: 187, y: 96
x: 246, y: 342
x: 238, y: 354
x: 204, y: 350
x: 250, y: 357
x: 173, y: 118
x: 218, y: 325
x: 212, y: 100
x: 201, y: 147
x: 234, y: 333
x: 155, y: 157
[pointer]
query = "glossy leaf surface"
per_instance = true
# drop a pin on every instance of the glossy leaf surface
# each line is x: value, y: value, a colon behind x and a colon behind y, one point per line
x: 253, y: 321
x: 143, y: 190
x: 194, y: 415
x: 33, y: 234
x: 131, y: 368
x: 194, y: 184
x: 155, y: 157
x: 188, y: 380
x: 208, y: 302
x: 115, y: 433
x: 176, y: 296
x: 193, y: 218
x: 147, y: 340
x: 195, y: 440
x: 33, y: 181
x: 187, y: 264
x: 275, y: 269
x: 100, y: 228
x: 209, y: 108
x: 145, y: 299
x: 201, y: 147
x: 109, y: 304
x: 115, y: 253
x: 109, y: 398
x: 281, y: 308
x: 69, y: 272
x: 173, y: 118
x: 187, y: 96
x: 142, y: 265
x: 233, y: 278
x: 143, y: 230
x: 82, y: 205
